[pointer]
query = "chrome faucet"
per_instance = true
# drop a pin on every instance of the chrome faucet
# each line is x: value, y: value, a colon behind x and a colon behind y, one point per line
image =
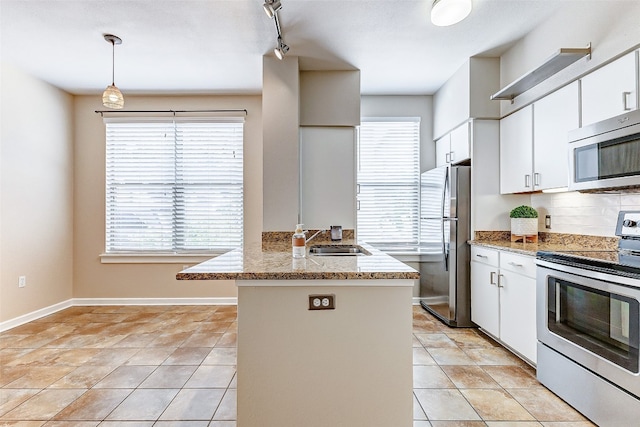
x: 313, y: 237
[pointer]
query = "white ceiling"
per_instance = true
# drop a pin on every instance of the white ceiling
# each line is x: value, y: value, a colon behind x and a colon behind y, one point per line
x: 216, y: 46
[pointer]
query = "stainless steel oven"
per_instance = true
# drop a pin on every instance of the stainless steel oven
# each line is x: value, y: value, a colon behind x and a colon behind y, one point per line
x: 592, y: 320
x: 588, y: 327
x: 606, y: 154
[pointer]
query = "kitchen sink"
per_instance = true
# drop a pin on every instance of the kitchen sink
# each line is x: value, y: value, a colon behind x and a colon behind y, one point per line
x: 338, y: 250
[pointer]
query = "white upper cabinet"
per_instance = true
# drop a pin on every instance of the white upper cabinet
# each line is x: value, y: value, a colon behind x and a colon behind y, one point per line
x: 610, y: 90
x: 516, y: 152
x: 460, y: 144
x: 443, y: 150
x: 534, y: 143
x: 454, y: 147
x: 553, y: 117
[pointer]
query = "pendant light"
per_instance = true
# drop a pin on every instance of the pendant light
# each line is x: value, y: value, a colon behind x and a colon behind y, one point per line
x: 449, y: 12
x: 112, y: 97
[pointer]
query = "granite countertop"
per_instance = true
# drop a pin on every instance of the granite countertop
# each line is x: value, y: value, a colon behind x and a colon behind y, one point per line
x: 273, y: 261
x: 521, y: 248
x: 552, y: 242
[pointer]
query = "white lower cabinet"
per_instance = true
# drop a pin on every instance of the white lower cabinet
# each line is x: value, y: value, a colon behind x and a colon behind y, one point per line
x: 485, y: 297
x: 517, y: 282
x: 503, y: 298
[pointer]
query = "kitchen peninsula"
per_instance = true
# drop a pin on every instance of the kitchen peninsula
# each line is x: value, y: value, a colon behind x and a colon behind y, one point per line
x: 318, y: 362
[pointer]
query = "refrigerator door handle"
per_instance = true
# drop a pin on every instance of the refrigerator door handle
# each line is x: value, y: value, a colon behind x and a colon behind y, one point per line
x: 445, y: 192
x: 445, y: 247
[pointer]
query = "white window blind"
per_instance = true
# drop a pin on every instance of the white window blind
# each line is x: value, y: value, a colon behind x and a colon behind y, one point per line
x: 173, y: 186
x: 389, y: 181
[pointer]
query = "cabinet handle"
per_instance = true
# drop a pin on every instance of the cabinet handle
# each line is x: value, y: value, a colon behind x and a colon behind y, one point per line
x: 527, y: 180
x: 625, y: 96
x: 500, y: 280
x: 515, y: 264
x: 452, y: 156
x: 447, y: 157
x: 492, y: 278
x: 536, y: 178
x: 481, y: 256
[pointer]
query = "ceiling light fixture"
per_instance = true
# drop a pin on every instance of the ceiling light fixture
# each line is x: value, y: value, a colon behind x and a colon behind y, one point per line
x: 271, y: 7
x: 112, y: 97
x: 449, y: 12
x: 281, y: 50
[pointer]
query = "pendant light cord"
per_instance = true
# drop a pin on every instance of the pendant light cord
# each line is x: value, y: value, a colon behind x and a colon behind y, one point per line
x: 113, y: 63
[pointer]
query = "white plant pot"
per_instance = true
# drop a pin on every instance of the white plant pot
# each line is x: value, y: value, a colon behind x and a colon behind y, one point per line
x: 524, y: 226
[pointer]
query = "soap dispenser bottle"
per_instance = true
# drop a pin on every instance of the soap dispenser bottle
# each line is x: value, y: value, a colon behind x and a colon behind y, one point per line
x: 299, y: 243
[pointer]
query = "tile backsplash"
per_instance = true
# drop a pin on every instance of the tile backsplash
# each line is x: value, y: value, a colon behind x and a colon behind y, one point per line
x: 583, y: 213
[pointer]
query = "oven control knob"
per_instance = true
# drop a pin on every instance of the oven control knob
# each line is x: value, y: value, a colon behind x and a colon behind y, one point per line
x: 629, y: 223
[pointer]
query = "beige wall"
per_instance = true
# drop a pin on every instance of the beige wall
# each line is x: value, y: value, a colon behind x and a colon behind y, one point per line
x: 36, y: 194
x: 352, y: 364
x: 281, y: 179
x: 92, y: 279
x: 406, y: 106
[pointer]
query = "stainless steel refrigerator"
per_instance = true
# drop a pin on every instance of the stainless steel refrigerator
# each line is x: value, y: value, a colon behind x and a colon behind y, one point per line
x: 445, y: 223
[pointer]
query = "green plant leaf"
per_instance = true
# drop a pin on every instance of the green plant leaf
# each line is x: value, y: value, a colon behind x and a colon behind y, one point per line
x: 523, y: 211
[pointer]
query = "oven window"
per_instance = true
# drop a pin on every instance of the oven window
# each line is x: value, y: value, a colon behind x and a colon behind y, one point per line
x: 604, y: 323
x: 612, y: 159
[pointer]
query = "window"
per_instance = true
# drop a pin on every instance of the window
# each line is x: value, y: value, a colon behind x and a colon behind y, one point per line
x: 173, y: 186
x: 388, y: 179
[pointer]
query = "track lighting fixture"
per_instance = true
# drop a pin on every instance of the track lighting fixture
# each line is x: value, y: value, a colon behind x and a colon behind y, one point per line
x: 281, y: 50
x: 271, y: 7
x: 449, y: 12
x: 112, y: 97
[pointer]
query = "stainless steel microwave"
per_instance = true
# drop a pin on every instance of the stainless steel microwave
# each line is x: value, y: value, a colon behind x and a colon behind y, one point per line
x: 606, y: 155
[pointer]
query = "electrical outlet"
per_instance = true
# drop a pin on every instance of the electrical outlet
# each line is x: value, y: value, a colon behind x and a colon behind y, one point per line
x: 22, y: 281
x: 322, y: 302
x: 547, y: 221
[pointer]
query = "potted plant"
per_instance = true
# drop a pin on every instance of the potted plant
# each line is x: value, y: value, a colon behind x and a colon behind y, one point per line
x: 524, y: 221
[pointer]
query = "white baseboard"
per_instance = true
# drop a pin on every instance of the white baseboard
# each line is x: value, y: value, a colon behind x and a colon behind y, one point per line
x: 79, y: 302
x: 34, y: 315
x: 416, y: 301
x: 154, y: 301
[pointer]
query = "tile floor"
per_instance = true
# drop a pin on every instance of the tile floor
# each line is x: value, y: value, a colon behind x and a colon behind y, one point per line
x: 174, y: 366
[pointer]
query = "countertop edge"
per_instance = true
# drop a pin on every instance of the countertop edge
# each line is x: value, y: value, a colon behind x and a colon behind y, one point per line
x: 301, y: 276
x: 233, y: 272
x: 507, y: 246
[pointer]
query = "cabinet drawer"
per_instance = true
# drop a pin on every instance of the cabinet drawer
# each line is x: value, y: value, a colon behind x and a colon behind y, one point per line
x: 484, y: 255
x: 521, y: 264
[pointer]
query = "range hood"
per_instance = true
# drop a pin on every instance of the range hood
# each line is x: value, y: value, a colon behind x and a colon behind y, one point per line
x: 558, y: 61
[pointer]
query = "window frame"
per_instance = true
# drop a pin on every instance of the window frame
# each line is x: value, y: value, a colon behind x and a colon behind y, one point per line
x: 413, y: 183
x: 177, y: 254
